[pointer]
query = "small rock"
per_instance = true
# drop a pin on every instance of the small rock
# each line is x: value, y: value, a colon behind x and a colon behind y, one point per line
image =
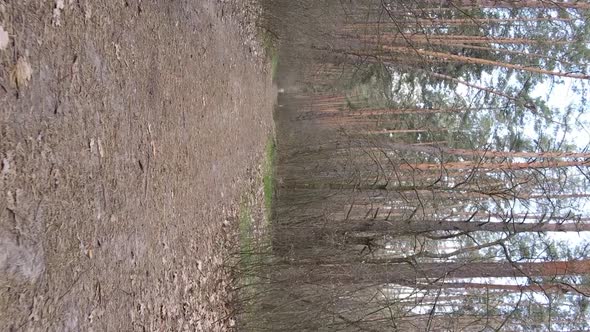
x: 4, y: 39
x: 5, y: 166
x: 100, y: 149
x: 92, y: 145
x: 59, y: 6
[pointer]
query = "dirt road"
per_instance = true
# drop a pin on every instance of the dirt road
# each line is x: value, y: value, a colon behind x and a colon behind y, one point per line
x: 128, y: 131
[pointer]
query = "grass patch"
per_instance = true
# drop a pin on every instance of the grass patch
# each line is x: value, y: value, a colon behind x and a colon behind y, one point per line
x: 253, y: 258
x: 268, y: 175
x: 255, y: 255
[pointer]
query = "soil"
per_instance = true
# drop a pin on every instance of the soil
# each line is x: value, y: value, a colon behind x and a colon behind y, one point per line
x: 129, y: 130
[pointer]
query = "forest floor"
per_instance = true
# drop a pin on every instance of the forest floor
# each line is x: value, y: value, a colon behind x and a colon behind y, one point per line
x: 130, y: 132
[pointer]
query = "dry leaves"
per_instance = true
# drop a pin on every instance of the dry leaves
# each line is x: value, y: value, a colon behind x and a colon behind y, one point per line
x: 21, y: 73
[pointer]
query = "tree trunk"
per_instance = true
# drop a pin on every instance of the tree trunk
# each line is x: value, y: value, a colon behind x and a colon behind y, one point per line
x: 404, y: 273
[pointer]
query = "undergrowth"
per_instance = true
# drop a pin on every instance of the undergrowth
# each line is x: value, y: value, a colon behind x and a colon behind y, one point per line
x: 255, y: 245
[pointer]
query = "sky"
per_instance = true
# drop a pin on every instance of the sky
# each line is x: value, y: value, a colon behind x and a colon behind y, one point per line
x: 559, y: 96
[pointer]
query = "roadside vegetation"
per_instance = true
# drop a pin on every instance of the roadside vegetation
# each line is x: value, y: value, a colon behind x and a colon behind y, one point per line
x: 255, y: 226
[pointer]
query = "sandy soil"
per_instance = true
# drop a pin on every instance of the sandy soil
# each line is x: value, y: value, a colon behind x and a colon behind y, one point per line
x: 123, y: 150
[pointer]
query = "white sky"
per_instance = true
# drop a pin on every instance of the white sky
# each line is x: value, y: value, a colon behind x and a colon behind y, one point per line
x: 559, y: 97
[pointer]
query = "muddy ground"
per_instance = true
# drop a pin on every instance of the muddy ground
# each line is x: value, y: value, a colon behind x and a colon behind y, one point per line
x: 129, y: 130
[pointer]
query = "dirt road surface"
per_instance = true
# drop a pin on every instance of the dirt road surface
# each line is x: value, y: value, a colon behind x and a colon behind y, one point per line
x: 128, y: 131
